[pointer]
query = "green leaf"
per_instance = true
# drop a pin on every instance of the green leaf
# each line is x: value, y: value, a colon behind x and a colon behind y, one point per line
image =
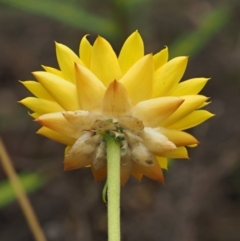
x: 211, y: 25
x: 67, y: 13
x: 132, y: 3
x: 30, y: 182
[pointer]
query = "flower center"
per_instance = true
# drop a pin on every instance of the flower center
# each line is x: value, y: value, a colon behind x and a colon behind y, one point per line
x: 138, y: 143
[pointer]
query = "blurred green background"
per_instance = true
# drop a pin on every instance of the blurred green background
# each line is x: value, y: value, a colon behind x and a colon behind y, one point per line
x: 200, y: 199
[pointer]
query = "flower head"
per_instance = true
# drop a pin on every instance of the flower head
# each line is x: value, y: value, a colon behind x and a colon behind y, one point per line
x: 134, y: 97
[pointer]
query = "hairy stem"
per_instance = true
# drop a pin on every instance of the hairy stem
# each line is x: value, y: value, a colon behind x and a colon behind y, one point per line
x: 113, y: 179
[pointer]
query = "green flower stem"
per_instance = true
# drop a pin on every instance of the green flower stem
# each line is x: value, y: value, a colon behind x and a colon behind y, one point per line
x: 113, y: 179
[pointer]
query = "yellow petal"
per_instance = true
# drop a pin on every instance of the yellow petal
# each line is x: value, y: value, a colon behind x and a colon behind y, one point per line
x: 168, y: 76
x: 116, y: 101
x: 160, y: 58
x: 204, y: 104
x: 189, y: 87
x: 191, y: 103
x: 104, y: 63
x: 77, y: 161
x: 154, y: 111
x: 180, y: 152
x: 34, y: 115
x: 55, y: 136
x: 66, y: 59
x: 85, y: 51
x: 90, y: 89
x: 138, y: 80
x: 126, y: 168
x: 57, y: 122
x: 37, y: 89
x: 131, y: 52
x: 154, y: 172
x: 67, y: 149
x: 99, y: 174
x: 192, y: 146
x: 136, y: 174
x: 193, y: 119
x: 53, y: 71
x: 163, y: 162
x: 179, y: 138
x: 62, y: 91
x: 41, y: 106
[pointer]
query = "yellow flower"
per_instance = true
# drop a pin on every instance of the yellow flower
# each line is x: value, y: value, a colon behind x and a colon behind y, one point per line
x: 135, y: 97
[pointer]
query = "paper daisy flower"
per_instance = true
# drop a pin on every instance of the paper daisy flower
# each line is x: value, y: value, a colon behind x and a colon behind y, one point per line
x: 134, y: 97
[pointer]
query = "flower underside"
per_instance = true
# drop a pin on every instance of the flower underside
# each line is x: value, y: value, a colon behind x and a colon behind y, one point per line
x: 138, y: 144
x: 136, y: 99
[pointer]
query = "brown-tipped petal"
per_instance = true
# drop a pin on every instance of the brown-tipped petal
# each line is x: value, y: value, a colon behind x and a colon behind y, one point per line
x: 132, y: 138
x: 179, y: 138
x: 141, y: 155
x: 99, y: 174
x: 116, y: 100
x: 136, y: 175
x: 154, y: 111
x: 126, y: 168
x: 72, y: 162
x: 81, y: 153
x: 84, y: 145
x: 155, y: 141
x: 82, y: 120
x: 99, y: 160
x: 104, y: 125
x: 131, y: 123
x: 154, y: 172
x: 56, y: 122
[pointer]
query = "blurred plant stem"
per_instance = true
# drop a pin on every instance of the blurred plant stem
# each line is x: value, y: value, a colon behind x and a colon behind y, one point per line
x: 113, y: 182
x: 68, y: 13
x: 121, y: 17
x: 211, y: 24
x: 21, y: 195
